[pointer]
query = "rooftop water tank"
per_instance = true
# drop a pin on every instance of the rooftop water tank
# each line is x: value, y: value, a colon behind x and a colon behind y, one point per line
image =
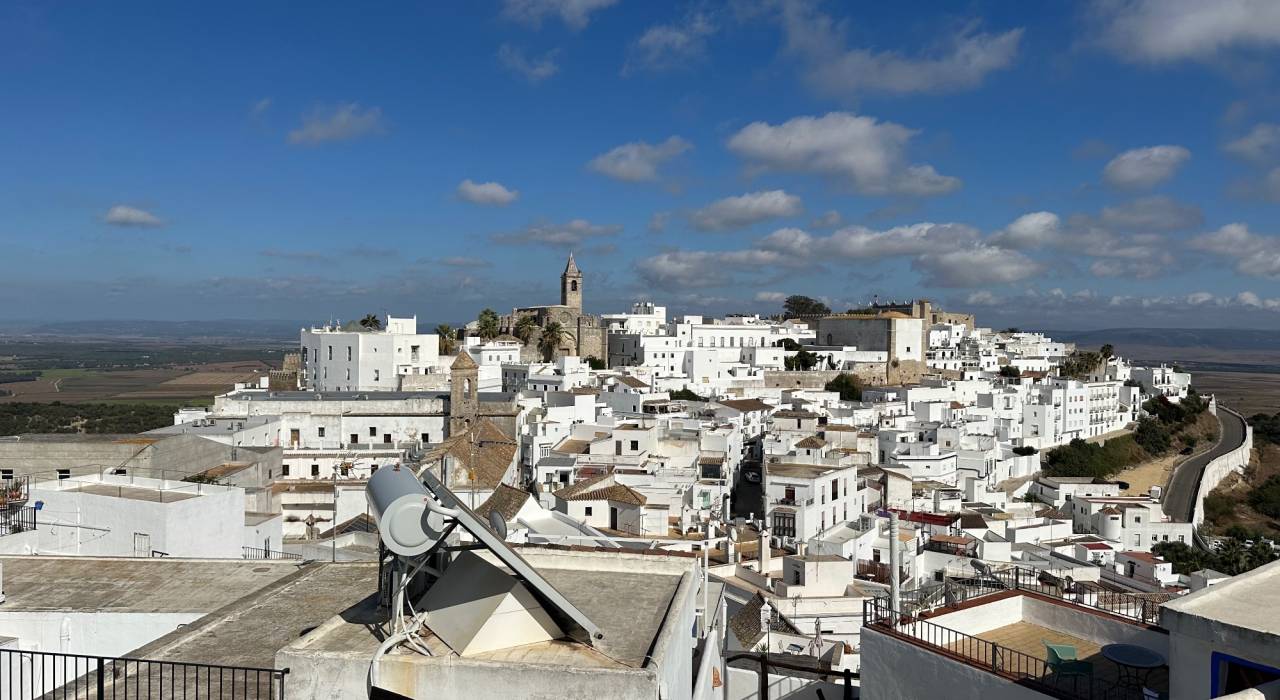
x: 398, y: 502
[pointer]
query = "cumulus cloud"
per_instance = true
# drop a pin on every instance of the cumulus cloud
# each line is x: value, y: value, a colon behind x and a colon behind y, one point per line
x: 1260, y: 145
x: 121, y: 215
x: 1161, y: 31
x: 463, y: 261
x: 1254, y: 254
x: 667, y: 46
x: 975, y: 265
x: 867, y: 154
x: 693, y: 269
x: 961, y: 61
x: 982, y: 298
x: 858, y: 242
x: 830, y: 219
x: 575, y: 14
x: 771, y: 297
x: 1156, y: 213
x: 342, y: 123
x: 571, y: 234
x: 487, y: 193
x: 1037, y: 229
x: 1143, y: 168
x: 744, y: 210
x: 638, y: 161
x: 535, y: 69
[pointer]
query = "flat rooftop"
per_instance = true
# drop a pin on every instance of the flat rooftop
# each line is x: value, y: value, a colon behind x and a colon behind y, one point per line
x: 133, y: 493
x: 626, y: 595
x: 334, y: 395
x: 1249, y: 601
x: 802, y: 471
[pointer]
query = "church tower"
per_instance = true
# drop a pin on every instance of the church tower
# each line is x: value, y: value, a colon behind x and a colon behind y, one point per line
x: 571, y: 285
x: 464, y: 393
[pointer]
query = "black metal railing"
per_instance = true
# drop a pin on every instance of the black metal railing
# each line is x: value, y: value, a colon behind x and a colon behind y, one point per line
x: 14, y: 491
x: 1090, y: 595
x: 1016, y: 666
x: 257, y: 553
x: 26, y: 675
x: 15, y: 521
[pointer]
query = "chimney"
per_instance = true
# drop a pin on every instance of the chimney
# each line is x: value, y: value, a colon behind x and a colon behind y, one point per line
x: 895, y: 563
x: 764, y: 552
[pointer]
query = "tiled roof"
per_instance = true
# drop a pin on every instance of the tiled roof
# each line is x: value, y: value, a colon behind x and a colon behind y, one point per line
x: 601, y: 488
x: 633, y: 382
x: 506, y: 500
x: 746, y: 405
x: 572, y: 446
x: 746, y: 622
x: 482, y: 454
x: 813, y: 442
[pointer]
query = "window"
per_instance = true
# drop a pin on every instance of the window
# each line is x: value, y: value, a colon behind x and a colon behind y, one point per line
x: 64, y: 474
x: 284, y: 470
x: 355, y: 438
x: 789, y: 495
x: 349, y: 352
x: 315, y: 470
x: 320, y: 431
x: 386, y: 438
x: 377, y: 375
x: 6, y: 474
x: 373, y: 431
x: 784, y: 524
x: 587, y: 510
x: 635, y: 445
x: 330, y: 352
x: 348, y: 374
x: 835, y: 489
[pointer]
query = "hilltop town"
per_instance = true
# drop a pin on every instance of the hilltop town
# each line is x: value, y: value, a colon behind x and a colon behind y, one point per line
x: 682, y: 506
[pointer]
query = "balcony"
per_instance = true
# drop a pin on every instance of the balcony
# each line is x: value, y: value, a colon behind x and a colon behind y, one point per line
x: 997, y: 626
x: 17, y: 520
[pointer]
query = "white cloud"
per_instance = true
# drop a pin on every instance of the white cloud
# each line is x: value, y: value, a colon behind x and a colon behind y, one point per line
x: 345, y: 122
x: 260, y: 107
x: 1128, y: 268
x: 638, y: 161
x: 666, y: 46
x: 535, y: 69
x: 983, y: 298
x: 121, y: 215
x: 575, y: 14
x: 1159, y: 31
x: 1155, y: 213
x: 858, y: 242
x: 866, y: 153
x: 771, y: 297
x: 1255, y: 255
x: 1142, y: 168
x: 744, y: 210
x: 975, y: 266
x: 692, y: 269
x: 658, y: 221
x: 487, y: 193
x: 961, y: 61
x: 1199, y: 298
x: 1037, y: 229
x: 830, y: 219
x: 1261, y: 144
x: 571, y: 234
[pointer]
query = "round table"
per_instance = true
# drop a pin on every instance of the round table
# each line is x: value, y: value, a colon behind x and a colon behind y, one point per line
x: 1135, y: 663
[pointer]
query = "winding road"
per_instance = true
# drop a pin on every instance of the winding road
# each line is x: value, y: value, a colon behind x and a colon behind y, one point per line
x: 1180, y: 496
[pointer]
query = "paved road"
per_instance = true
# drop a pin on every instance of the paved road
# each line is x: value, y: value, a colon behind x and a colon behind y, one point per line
x: 1180, y: 497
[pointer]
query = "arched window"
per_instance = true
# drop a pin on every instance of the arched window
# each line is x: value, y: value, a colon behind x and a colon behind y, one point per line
x: 466, y: 385
x: 573, y: 286
x: 829, y: 340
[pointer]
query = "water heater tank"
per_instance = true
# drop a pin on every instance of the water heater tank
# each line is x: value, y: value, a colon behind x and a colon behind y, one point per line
x: 398, y: 502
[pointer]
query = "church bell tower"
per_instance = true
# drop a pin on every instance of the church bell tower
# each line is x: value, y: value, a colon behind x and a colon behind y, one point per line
x: 571, y: 285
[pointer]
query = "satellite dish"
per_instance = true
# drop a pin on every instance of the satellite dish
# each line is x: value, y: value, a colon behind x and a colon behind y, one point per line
x: 498, y: 524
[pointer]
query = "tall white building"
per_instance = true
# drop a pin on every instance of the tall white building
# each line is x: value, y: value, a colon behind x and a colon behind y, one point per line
x: 367, y: 360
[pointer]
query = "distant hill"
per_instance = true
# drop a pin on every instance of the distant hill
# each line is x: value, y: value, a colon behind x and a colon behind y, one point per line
x: 1216, y: 338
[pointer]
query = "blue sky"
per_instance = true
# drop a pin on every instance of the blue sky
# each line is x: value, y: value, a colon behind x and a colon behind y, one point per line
x: 1047, y: 164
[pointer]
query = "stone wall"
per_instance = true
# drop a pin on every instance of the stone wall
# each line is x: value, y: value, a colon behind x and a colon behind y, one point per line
x: 1215, y: 471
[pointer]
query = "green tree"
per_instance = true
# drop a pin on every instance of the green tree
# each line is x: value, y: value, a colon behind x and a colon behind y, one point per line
x: 803, y: 360
x: 448, y: 338
x: 553, y: 334
x: 1107, y: 351
x: 1011, y: 372
x: 1266, y: 497
x: 1260, y: 553
x: 371, y: 322
x: 1185, y: 559
x: 1232, y: 558
x: 487, y: 324
x: 686, y: 395
x: 525, y: 328
x: 1152, y: 436
x: 848, y: 385
x: 800, y: 305
x: 594, y: 362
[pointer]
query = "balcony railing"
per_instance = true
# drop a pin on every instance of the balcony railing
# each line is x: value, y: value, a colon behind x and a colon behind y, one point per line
x: 15, y: 521
x: 1016, y: 666
x: 38, y: 674
x: 14, y: 491
x: 257, y: 553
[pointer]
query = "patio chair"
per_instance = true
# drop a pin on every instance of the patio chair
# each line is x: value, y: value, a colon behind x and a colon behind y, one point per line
x: 1062, y: 663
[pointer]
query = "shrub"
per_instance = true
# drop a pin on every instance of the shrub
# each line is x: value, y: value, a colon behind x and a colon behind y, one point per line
x: 1024, y: 451
x: 1152, y: 436
x: 848, y: 385
x: 1266, y: 498
x: 686, y: 395
x: 1010, y: 371
x: 1218, y: 506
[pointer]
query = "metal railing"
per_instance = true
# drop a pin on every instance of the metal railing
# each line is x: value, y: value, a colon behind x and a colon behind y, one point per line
x: 1018, y: 667
x: 14, y: 491
x: 25, y: 675
x: 258, y: 553
x: 1127, y: 605
x: 15, y: 521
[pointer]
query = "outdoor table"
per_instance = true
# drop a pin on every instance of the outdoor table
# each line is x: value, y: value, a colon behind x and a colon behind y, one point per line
x: 1135, y: 663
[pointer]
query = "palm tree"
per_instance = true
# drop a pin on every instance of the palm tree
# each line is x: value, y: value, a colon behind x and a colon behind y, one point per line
x: 371, y: 322
x: 448, y: 338
x: 1233, y: 558
x: 1260, y: 553
x: 487, y: 324
x: 552, y: 335
x: 525, y: 328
